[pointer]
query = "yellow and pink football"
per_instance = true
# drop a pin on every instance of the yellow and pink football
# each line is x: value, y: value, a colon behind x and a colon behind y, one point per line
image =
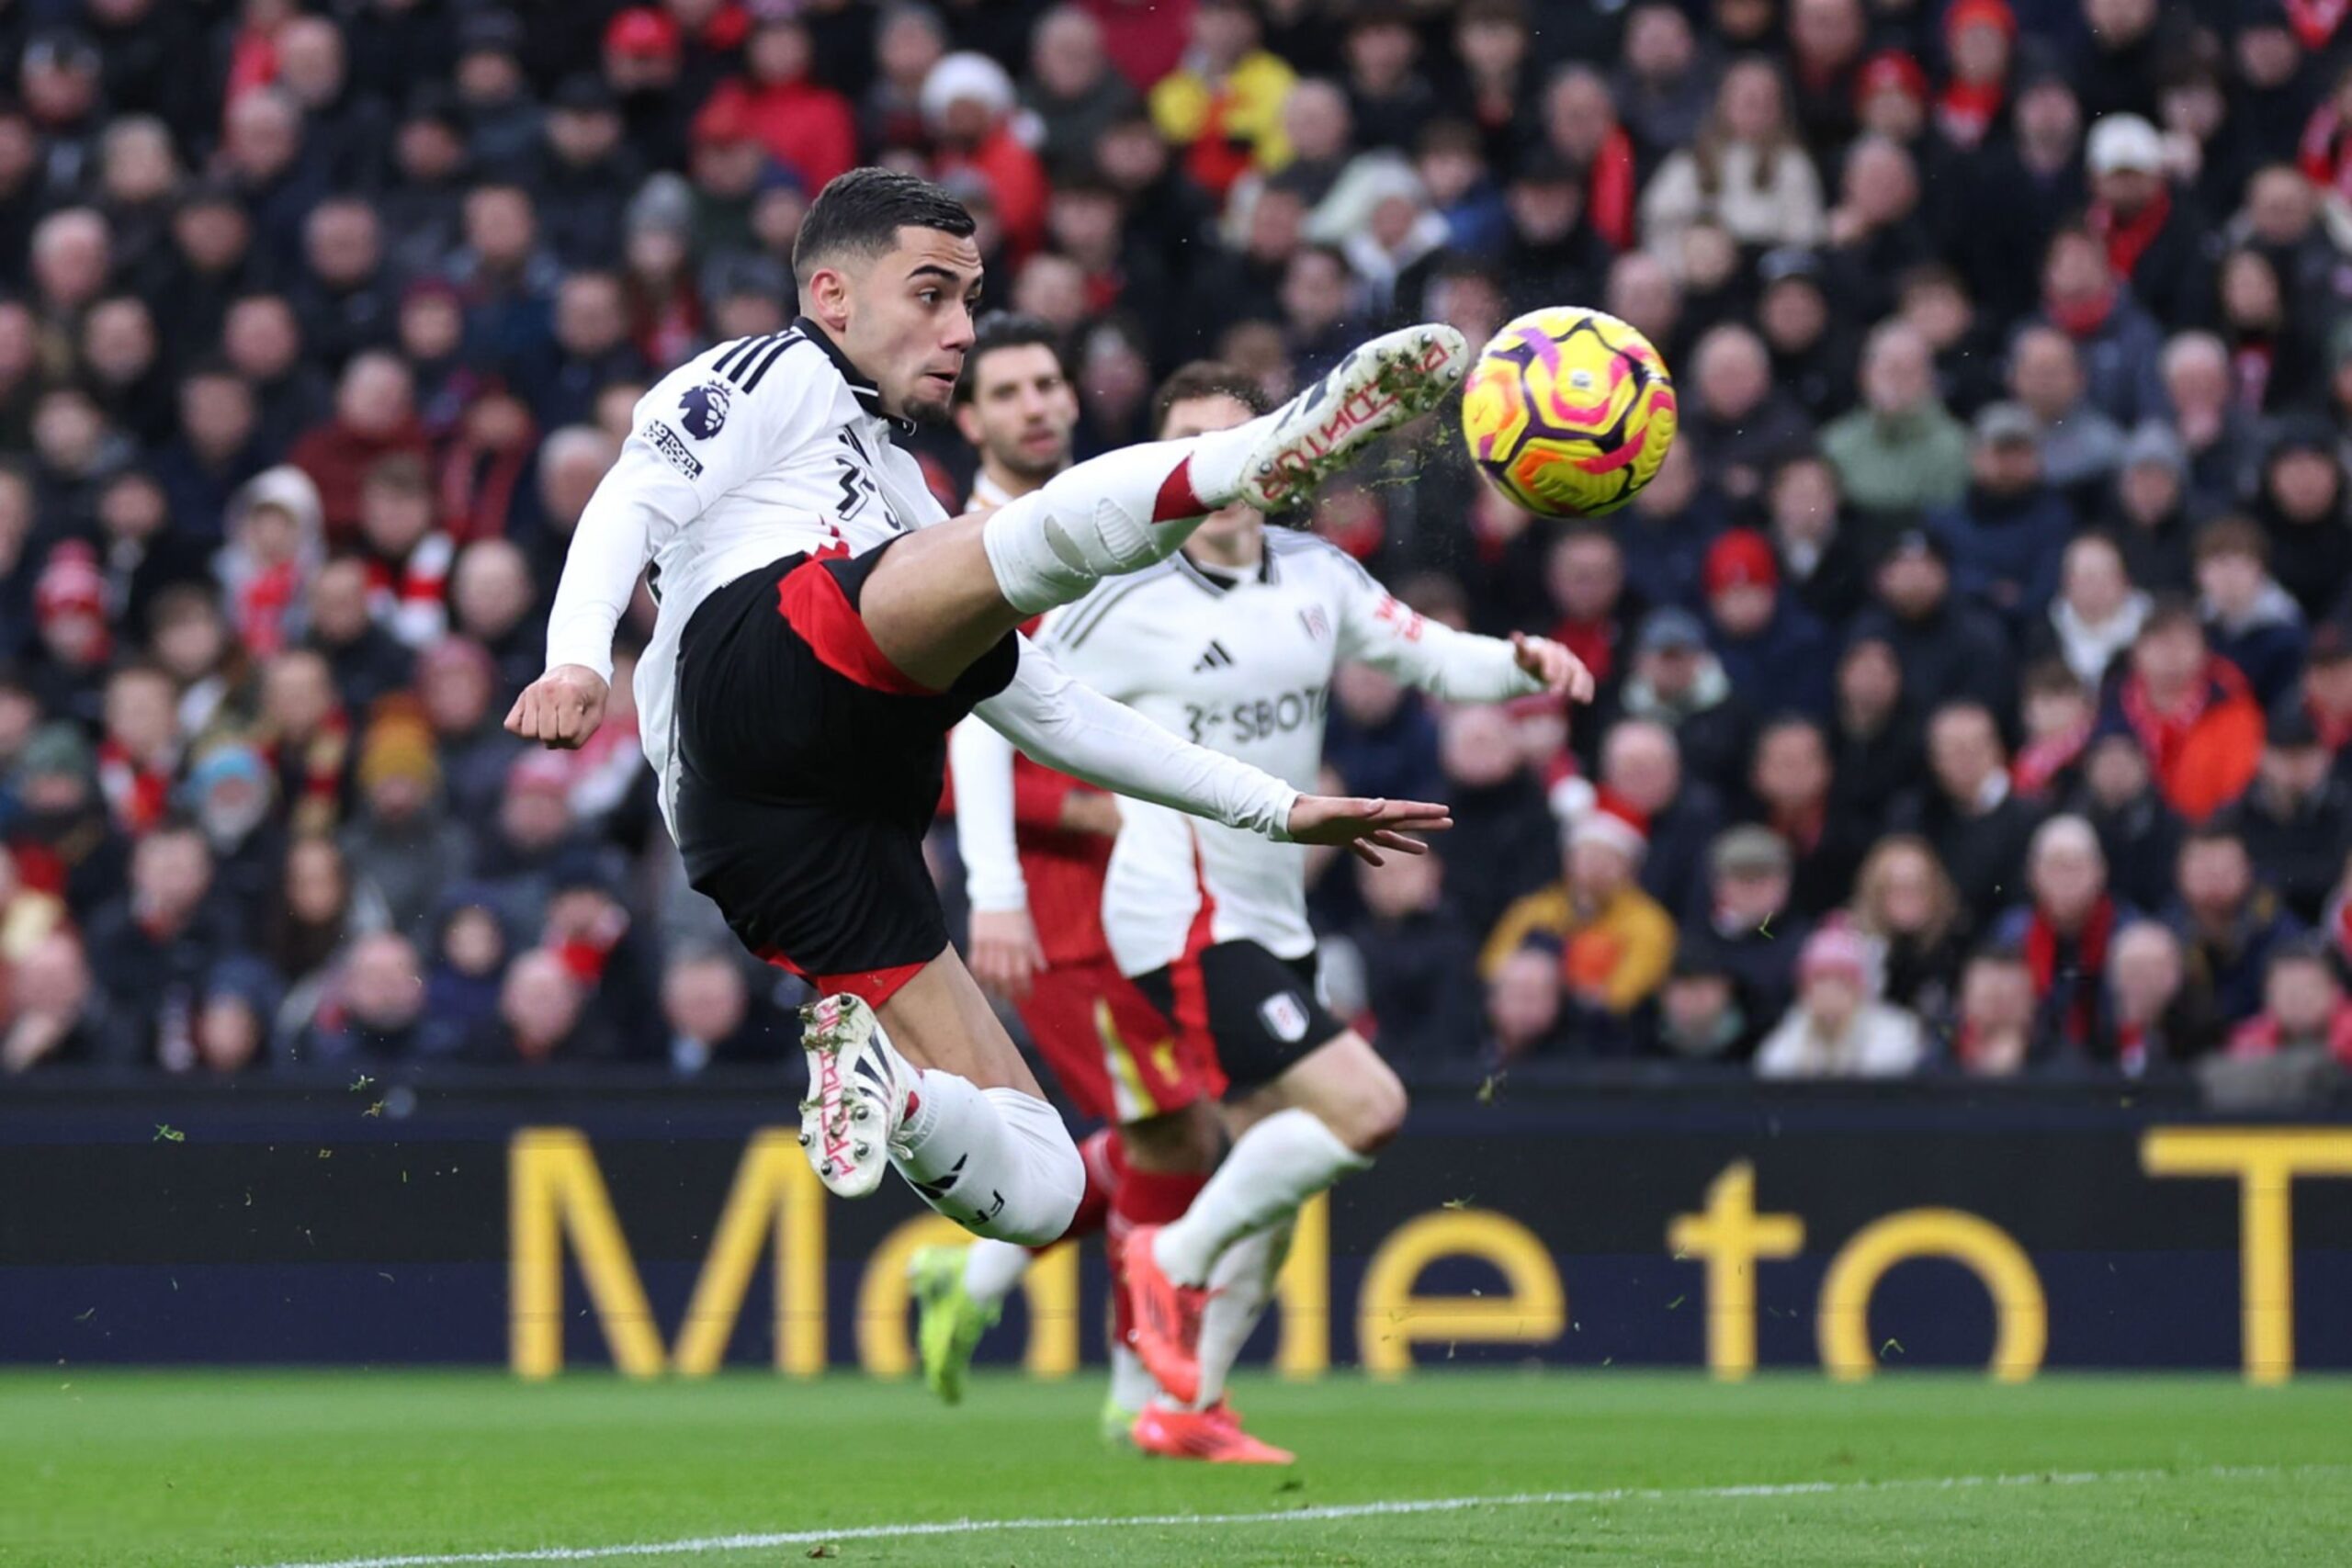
x: 1569, y: 412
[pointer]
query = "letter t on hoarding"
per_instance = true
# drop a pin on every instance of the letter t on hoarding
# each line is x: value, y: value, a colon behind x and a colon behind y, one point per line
x: 2265, y: 1161
x: 1729, y: 1236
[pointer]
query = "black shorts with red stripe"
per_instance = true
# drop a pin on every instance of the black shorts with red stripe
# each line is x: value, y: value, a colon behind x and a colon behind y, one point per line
x: 808, y: 770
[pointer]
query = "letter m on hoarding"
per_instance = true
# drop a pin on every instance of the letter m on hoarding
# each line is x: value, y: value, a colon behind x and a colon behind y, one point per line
x: 556, y: 1195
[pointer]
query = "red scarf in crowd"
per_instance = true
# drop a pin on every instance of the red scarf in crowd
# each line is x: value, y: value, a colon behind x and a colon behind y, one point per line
x: 584, y: 955
x: 262, y: 605
x: 2127, y: 239
x: 1803, y: 828
x: 2163, y: 732
x: 138, y: 797
x: 1966, y: 110
x: 2316, y: 21
x: 2041, y: 761
x: 2080, y: 319
x: 2322, y: 153
x: 411, y: 596
x: 2043, y: 945
x: 2334, y: 728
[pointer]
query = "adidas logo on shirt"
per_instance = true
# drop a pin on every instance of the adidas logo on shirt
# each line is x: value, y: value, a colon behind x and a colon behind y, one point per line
x: 1215, y: 658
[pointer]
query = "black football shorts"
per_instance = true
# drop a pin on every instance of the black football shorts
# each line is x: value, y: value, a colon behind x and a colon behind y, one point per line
x: 808, y: 770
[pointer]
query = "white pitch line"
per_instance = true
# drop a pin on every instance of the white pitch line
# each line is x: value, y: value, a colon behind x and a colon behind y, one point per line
x: 698, y: 1545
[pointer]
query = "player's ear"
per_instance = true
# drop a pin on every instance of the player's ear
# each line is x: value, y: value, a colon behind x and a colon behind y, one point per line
x: 828, y: 298
x: 967, y: 423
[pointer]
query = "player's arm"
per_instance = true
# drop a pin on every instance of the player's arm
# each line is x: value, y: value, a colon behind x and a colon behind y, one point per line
x: 662, y: 480
x: 1065, y: 725
x: 1004, y: 953
x: 1377, y: 628
x: 608, y: 551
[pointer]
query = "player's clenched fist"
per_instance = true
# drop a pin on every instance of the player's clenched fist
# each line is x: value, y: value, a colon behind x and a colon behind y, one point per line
x: 562, y: 709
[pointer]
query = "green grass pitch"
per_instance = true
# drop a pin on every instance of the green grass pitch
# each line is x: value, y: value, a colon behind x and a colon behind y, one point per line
x: 113, y: 1468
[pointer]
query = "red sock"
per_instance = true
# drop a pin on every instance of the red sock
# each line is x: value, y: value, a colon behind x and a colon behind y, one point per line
x: 1144, y: 1198
x: 1175, y: 502
x: 1156, y: 1197
x: 1106, y: 1162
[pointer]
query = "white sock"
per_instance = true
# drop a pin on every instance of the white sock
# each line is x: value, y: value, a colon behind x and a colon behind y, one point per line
x: 1097, y: 520
x: 1241, y: 1287
x: 1273, y: 1169
x: 1132, y: 1387
x: 997, y: 1161
x: 992, y: 1268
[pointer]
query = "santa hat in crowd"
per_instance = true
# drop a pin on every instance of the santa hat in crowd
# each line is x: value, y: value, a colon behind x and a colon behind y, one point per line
x: 71, y: 583
x: 1740, y: 557
x: 1835, y: 950
x: 1610, y: 819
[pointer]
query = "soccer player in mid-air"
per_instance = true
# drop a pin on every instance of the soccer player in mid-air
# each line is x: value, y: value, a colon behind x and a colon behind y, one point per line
x: 821, y: 625
x: 1017, y: 408
x: 1232, y: 641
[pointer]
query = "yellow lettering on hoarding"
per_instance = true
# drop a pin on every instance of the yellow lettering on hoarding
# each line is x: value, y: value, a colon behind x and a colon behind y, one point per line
x: 2265, y: 1162
x: 776, y: 1195
x: 2021, y: 1317
x: 1302, y: 1290
x: 1390, y: 1319
x: 1050, y: 1287
x: 1728, y: 1236
x: 555, y: 1190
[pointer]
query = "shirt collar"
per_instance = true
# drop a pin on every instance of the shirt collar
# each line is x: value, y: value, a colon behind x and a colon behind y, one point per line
x: 1219, y: 579
x: 869, y: 396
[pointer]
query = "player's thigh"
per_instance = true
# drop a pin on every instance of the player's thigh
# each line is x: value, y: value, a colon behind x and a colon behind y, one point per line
x: 1343, y: 1082
x: 941, y: 1019
x: 1187, y: 1140
x: 932, y: 604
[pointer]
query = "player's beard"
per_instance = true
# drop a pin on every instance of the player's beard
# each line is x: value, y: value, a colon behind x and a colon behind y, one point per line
x: 1036, y: 471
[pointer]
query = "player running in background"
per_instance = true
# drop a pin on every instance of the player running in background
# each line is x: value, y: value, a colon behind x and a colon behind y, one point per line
x: 821, y: 625
x: 1232, y: 642
x: 1040, y: 946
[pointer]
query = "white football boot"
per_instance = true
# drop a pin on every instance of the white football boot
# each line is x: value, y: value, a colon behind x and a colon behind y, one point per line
x: 1380, y: 385
x: 857, y: 1095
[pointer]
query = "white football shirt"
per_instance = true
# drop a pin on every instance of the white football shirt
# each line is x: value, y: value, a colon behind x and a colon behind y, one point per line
x: 1244, y: 667
x: 769, y: 447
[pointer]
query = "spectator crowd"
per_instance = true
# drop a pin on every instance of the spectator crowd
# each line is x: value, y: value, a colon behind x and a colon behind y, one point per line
x: 1975, y: 678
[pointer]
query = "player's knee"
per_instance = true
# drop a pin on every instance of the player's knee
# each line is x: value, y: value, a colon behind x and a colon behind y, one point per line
x: 1379, y: 1114
x: 1369, y: 1111
x: 1039, y: 1206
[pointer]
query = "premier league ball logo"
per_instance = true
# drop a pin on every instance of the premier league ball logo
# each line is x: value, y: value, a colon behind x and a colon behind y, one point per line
x: 704, y: 408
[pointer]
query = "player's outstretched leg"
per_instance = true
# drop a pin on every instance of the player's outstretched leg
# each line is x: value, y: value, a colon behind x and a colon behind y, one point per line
x: 997, y: 1161
x: 959, y: 1291
x: 1126, y: 510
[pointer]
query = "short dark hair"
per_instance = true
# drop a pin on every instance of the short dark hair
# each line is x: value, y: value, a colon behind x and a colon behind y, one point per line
x: 398, y: 473
x: 862, y: 211
x: 1206, y: 379
x: 2230, y: 534
x: 2171, y: 613
x: 2301, y: 949
x: 1007, y: 328
x: 2052, y: 678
